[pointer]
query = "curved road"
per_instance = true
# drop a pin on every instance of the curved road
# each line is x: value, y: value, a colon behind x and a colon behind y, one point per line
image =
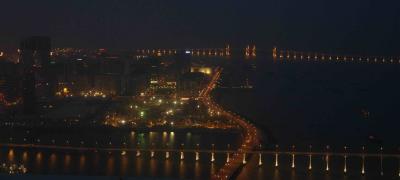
x: 251, y: 136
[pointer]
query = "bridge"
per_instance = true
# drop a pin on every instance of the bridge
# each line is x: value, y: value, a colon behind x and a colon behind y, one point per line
x: 207, y: 52
x: 231, y: 156
x: 250, y: 51
x: 292, y: 55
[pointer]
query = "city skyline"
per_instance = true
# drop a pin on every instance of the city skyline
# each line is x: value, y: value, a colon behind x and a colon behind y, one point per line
x: 156, y: 89
x: 356, y: 26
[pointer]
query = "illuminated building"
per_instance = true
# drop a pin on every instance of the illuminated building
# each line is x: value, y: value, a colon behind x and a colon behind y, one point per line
x: 9, y: 83
x: 35, y: 54
x: 204, y: 70
x: 182, y: 63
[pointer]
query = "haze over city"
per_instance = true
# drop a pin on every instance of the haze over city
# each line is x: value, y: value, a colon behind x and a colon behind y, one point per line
x: 199, y: 89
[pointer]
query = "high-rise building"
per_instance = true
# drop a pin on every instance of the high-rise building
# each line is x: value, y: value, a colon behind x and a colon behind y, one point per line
x: 35, y: 57
x: 9, y: 82
x: 182, y: 62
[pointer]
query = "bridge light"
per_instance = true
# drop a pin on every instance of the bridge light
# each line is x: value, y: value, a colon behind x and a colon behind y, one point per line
x: 345, y: 161
x: 247, y: 51
x: 310, y: 159
x: 381, y: 161
x: 197, y: 152
x: 152, y: 151
x: 274, y: 52
x: 182, y: 155
x: 138, y: 151
x: 212, y: 153
x: 327, y: 158
x: 276, y: 156
x: 293, y: 158
x: 254, y: 51
x: 167, y: 155
x: 363, y: 162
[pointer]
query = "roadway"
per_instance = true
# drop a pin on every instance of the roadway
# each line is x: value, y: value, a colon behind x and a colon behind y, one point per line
x: 251, y: 136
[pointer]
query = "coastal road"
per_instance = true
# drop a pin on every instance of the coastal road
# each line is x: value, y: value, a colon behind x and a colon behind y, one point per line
x: 251, y: 136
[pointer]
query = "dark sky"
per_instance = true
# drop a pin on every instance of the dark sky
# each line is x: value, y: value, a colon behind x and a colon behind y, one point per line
x: 356, y: 26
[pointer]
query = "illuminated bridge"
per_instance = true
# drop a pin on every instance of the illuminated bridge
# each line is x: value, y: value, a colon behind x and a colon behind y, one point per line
x: 223, y: 52
x: 292, y: 55
x: 305, y: 158
x: 249, y: 51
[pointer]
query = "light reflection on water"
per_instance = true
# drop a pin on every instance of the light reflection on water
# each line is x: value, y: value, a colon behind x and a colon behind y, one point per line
x: 116, y: 164
x: 53, y: 163
x: 45, y: 161
x: 67, y: 162
x: 139, y: 165
x: 110, y: 166
x: 181, y: 170
x: 164, y: 137
x: 167, y: 168
x: 25, y: 157
x: 197, y: 170
x: 38, y: 162
x: 124, y: 164
x: 153, y: 167
x: 82, y: 161
x: 11, y: 155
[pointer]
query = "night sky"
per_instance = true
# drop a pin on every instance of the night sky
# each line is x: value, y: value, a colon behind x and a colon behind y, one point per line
x: 354, y: 26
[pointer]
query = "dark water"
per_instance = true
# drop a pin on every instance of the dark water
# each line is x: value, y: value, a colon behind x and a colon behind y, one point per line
x: 319, y: 104
x: 304, y: 103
